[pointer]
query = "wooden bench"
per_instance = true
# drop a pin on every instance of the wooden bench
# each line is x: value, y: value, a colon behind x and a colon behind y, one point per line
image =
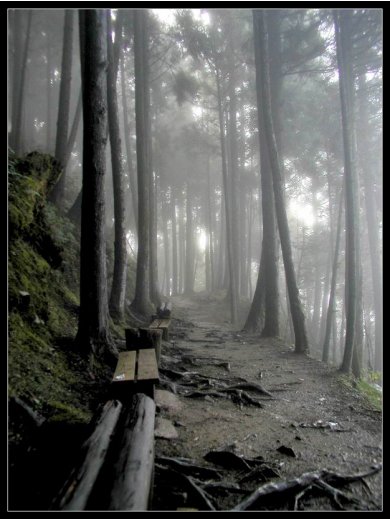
x: 144, y: 338
x: 161, y: 324
x: 136, y: 372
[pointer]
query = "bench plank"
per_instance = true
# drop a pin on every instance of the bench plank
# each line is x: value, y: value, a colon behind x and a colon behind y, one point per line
x: 147, y: 365
x: 155, y: 323
x: 125, y: 369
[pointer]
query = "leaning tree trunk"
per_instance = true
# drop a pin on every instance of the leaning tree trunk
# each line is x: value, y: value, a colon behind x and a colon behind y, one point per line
x: 297, y: 315
x: 342, y: 21
x: 117, y: 297
x: 269, y: 244
x: 93, y: 333
x: 64, y: 105
x: 141, y: 303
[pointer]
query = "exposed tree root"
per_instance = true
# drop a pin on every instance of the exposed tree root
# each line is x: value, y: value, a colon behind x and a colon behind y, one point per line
x: 299, y: 486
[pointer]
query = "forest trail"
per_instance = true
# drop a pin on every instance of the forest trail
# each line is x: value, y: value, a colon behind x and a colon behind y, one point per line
x: 317, y: 420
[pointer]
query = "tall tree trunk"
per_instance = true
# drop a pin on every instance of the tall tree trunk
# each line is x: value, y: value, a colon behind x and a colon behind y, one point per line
x: 372, y: 223
x: 93, y: 334
x: 210, y: 242
x: 64, y: 105
x: 298, y: 318
x: 155, y: 296
x: 332, y: 295
x: 141, y: 302
x: 233, y: 172
x: 129, y: 156
x: 189, y: 261
x: 269, y: 245
x: 48, y: 96
x: 342, y: 22
x: 181, y: 249
x: 16, y: 140
x: 16, y: 74
x: 167, y: 253
x: 232, y: 277
x: 175, y: 270
x: 117, y: 296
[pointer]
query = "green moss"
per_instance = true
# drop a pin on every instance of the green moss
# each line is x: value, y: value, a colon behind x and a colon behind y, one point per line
x: 68, y: 413
x: 28, y: 272
x: 371, y: 394
x: 30, y: 179
x: 364, y: 389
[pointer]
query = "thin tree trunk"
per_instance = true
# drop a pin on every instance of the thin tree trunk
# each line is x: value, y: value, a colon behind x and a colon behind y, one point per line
x: 167, y: 254
x: 298, y: 318
x: 181, y: 249
x: 48, y: 96
x: 175, y: 270
x: 210, y: 243
x: 332, y: 295
x: 64, y: 105
x: 342, y: 21
x: 153, y: 268
x: 129, y: 157
x: 16, y: 75
x: 17, y: 129
x: 232, y: 278
x: 189, y: 258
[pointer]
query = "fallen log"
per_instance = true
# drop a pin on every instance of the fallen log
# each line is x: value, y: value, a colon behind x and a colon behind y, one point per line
x: 297, y: 485
x: 133, y: 469
x: 75, y: 493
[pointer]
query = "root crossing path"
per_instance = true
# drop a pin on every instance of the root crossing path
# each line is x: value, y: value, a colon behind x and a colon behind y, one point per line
x: 236, y: 412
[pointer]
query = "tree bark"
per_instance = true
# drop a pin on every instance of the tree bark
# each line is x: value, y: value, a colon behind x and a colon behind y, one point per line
x: 189, y: 259
x: 269, y: 245
x: 342, y: 21
x: 175, y: 272
x: 298, y: 318
x: 93, y: 334
x: 141, y: 303
x: 64, y: 105
x: 372, y: 224
x: 117, y: 297
x: 332, y: 295
x: 129, y: 156
x: 16, y: 140
x: 232, y: 278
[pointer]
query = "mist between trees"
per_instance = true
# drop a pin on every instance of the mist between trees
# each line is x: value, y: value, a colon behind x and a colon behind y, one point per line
x: 219, y: 150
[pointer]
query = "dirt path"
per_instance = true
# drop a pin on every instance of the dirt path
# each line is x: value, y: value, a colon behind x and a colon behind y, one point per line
x: 317, y: 421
